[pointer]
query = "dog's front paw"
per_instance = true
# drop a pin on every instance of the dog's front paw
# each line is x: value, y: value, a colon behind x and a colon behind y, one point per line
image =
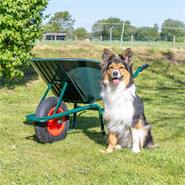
x: 136, y: 150
x: 107, y: 151
x: 103, y: 151
x: 118, y: 147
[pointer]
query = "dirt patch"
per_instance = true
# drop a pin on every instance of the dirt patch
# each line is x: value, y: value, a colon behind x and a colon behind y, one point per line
x: 176, y: 56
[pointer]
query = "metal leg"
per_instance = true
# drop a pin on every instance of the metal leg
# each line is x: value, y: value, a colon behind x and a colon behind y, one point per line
x: 100, y: 112
x: 62, y: 91
x: 74, y: 117
x: 101, y: 122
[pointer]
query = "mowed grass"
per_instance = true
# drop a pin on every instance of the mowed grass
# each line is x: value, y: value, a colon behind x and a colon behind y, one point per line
x: 77, y: 159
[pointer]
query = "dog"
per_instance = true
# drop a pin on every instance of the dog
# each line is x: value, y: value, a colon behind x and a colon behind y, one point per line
x: 123, y: 109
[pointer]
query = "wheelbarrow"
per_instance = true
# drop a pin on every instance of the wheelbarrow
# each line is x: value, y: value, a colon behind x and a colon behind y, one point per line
x: 71, y: 80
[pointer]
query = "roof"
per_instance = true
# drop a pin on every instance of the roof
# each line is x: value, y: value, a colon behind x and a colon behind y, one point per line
x: 55, y: 33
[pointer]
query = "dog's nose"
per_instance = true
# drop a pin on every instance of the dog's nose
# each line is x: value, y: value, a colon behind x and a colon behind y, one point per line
x: 115, y: 73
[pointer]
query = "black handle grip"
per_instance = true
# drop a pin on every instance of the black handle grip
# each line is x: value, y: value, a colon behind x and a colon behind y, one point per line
x: 144, y: 66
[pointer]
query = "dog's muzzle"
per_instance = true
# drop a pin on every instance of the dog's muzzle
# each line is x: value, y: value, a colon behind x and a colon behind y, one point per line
x: 115, y: 74
x: 116, y: 77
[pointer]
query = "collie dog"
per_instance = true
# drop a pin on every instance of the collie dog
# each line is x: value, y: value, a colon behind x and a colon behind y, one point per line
x: 124, y: 110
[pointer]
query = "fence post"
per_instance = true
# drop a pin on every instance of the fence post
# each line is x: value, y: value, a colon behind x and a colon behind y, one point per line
x: 101, y: 38
x: 174, y: 41
x: 75, y: 38
x: 122, y: 32
x: 132, y: 39
x: 111, y: 36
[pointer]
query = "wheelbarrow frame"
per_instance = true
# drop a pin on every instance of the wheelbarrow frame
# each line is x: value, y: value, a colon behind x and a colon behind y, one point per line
x: 76, y: 109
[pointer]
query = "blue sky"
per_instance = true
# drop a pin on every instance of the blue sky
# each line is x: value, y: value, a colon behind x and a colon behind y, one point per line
x: 139, y: 12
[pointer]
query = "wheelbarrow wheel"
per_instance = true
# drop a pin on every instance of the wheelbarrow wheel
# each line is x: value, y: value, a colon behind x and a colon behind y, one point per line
x: 55, y: 129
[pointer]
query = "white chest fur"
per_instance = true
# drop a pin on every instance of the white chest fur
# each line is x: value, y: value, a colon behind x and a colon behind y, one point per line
x: 118, y: 103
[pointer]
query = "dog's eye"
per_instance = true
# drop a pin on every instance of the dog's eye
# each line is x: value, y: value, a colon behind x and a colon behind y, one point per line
x: 121, y: 67
x: 110, y: 67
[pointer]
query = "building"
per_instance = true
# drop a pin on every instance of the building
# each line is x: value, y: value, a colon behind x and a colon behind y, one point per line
x: 54, y: 36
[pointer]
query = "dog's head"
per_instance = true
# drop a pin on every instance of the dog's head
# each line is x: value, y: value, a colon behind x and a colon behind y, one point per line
x: 117, y: 68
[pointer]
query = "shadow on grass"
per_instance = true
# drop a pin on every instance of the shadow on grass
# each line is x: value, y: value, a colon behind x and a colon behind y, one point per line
x: 91, y: 127
x: 173, y: 77
x: 87, y: 125
x: 166, y: 72
x: 172, y: 126
x: 176, y: 135
x: 164, y: 93
x: 176, y: 132
x: 29, y: 75
x: 33, y: 138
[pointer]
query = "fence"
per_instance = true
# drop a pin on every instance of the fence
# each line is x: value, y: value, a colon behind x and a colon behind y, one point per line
x: 123, y: 34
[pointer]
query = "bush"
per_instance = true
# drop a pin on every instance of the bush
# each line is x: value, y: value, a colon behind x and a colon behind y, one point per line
x: 20, y: 23
x: 81, y: 33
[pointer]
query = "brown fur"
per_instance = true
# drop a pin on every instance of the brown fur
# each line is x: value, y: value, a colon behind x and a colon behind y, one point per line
x: 112, y: 140
x: 138, y: 125
x: 105, y: 79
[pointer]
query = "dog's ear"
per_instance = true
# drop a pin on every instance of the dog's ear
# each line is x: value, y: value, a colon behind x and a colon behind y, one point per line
x: 107, y: 54
x: 127, y: 56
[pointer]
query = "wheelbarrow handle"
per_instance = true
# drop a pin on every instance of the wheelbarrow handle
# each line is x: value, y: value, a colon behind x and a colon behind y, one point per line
x: 144, y: 66
x: 140, y: 69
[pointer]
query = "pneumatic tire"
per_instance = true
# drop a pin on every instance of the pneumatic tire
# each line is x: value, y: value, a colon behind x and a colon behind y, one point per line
x: 55, y: 129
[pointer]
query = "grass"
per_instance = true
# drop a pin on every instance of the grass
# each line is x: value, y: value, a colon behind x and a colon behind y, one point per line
x: 77, y: 159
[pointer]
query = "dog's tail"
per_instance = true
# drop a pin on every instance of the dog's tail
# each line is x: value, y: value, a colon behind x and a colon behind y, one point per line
x: 149, y: 143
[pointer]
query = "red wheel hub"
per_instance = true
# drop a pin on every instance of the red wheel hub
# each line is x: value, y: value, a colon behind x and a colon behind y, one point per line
x: 56, y: 126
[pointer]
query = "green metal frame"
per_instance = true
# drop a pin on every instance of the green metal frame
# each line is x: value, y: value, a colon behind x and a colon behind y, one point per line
x: 140, y: 69
x: 94, y: 106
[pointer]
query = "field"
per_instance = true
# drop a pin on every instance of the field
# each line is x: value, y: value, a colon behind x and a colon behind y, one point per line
x: 77, y: 159
x: 116, y: 43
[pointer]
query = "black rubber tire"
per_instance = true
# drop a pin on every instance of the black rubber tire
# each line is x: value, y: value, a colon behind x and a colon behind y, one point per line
x: 41, y: 130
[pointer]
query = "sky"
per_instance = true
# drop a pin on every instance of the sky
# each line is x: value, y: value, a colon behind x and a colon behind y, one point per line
x: 138, y: 12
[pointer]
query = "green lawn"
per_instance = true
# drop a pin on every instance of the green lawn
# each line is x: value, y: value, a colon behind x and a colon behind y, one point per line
x: 77, y: 159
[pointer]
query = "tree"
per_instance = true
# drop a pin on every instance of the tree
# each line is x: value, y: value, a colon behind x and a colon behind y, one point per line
x: 81, y: 33
x: 129, y: 30
x: 20, y: 26
x: 146, y: 34
x: 102, y: 28
x: 172, y: 27
x: 60, y: 22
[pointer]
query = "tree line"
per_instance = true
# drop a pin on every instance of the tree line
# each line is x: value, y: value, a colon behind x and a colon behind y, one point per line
x: 63, y: 22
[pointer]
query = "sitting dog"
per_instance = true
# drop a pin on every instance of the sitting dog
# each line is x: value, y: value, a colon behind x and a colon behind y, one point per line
x: 124, y: 110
